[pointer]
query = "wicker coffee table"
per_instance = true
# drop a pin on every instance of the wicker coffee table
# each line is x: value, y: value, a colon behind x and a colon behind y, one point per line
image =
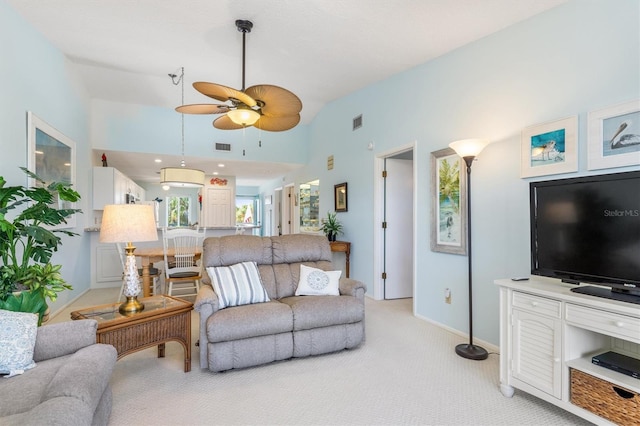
x: 163, y: 319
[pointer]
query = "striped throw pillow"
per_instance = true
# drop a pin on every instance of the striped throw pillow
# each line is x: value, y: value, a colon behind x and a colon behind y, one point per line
x: 238, y: 284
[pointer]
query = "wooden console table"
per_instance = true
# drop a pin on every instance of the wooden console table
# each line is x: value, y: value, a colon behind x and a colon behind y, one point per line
x: 164, y: 318
x: 345, y: 247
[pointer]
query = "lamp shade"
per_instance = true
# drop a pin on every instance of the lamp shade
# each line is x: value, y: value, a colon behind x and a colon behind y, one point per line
x: 181, y: 176
x: 243, y: 116
x: 122, y: 223
x: 469, y: 147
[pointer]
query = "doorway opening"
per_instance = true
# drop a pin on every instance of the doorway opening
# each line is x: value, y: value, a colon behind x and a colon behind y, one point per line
x: 395, y: 222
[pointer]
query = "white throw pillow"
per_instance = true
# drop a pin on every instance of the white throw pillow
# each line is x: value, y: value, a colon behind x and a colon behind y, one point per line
x: 18, y: 332
x: 316, y: 282
x: 238, y: 284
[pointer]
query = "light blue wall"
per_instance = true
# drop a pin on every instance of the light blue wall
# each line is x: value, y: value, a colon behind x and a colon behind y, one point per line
x: 582, y: 56
x: 36, y: 77
x: 139, y: 128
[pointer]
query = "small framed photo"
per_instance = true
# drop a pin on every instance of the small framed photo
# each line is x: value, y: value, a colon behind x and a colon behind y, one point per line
x: 614, y: 136
x: 340, y: 197
x: 52, y: 157
x: 448, y: 202
x: 550, y: 148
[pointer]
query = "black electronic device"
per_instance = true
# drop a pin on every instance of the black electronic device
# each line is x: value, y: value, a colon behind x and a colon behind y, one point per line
x: 618, y: 362
x: 587, y: 229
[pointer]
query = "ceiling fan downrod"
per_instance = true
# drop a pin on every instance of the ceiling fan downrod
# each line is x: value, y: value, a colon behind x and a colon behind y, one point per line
x: 244, y: 27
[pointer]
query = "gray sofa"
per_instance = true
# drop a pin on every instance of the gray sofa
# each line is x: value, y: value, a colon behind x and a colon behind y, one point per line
x: 288, y: 325
x: 69, y: 384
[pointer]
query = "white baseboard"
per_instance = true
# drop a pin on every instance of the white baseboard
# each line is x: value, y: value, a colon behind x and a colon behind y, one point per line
x: 488, y: 346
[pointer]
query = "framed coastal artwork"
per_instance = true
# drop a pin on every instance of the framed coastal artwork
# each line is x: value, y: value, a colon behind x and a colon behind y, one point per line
x: 550, y: 148
x: 614, y: 136
x: 448, y: 203
x: 51, y: 156
x: 340, y: 197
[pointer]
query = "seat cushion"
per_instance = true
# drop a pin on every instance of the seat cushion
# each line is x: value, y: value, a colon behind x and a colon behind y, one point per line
x: 241, y: 322
x: 184, y: 275
x: 322, y: 311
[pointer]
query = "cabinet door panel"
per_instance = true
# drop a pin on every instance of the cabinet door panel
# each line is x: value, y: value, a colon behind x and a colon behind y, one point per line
x: 536, y: 351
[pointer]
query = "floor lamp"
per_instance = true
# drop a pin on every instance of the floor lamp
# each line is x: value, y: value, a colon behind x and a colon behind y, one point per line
x: 124, y: 223
x: 469, y: 149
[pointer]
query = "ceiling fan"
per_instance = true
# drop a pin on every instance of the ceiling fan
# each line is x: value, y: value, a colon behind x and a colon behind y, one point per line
x: 264, y: 106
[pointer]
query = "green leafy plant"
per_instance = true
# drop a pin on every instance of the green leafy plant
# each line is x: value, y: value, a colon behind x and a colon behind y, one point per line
x: 331, y: 226
x: 27, y: 238
x: 47, y: 280
x: 26, y: 301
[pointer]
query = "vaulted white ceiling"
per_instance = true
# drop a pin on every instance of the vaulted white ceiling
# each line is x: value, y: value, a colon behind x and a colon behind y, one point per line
x: 319, y: 49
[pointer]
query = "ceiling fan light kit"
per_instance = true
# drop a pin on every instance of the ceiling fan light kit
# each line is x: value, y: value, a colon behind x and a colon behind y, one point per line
x: 264, y: 106
x: 243, y: 115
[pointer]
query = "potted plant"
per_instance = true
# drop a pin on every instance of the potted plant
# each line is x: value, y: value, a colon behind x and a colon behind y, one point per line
x: 28, y: 240
x: 331, y: 226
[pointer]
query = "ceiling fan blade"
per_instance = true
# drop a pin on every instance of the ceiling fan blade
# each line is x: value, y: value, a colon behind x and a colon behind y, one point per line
x: 223, y: 93
x: 277, y: 124
x: 202, y: 109
x: 277, y: 101
x: 225, y: 123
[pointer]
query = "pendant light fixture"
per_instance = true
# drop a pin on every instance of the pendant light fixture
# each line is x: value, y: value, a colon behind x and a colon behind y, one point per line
x: 181, y: 176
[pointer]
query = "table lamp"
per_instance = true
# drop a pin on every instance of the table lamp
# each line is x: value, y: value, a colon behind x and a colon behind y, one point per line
x: 124, y: 223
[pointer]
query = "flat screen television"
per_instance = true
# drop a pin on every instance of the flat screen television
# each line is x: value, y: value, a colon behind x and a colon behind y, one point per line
x: 587, y: 230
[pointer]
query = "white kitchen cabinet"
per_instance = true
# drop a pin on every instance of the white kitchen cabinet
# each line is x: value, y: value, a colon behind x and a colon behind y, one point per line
x: 110, y: 186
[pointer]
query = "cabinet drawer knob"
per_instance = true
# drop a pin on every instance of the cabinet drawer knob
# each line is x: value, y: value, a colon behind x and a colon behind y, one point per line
x: 534, y: 304
x: 556, y: 360
x: 619, y: 324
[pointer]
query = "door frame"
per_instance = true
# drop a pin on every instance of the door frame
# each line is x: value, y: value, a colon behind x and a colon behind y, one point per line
x: 378, y: 216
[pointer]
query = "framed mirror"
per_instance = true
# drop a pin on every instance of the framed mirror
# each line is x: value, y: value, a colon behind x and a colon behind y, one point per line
x: 310, y: 206
x: 52, y: 158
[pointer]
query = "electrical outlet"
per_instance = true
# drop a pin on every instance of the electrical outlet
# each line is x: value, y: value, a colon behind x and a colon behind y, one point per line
x: 447, y: 296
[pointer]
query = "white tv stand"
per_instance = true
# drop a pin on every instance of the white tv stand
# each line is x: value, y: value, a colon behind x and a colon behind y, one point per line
x: 545, y: 329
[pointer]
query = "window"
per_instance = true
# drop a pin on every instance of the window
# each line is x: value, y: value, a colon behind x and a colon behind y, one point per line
x: 178, y: 211
x: 247, y: 210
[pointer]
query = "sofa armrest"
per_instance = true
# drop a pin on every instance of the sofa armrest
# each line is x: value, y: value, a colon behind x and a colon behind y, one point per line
x: 206, y: 304
x: 65, y: 338
x: 206, y: 298
x: 351, y: 287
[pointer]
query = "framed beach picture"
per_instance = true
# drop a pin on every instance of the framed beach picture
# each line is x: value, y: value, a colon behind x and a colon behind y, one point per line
x: 550, y: 148
x: 614, y: 136
x: 448, y: 202
x: 51, y: 156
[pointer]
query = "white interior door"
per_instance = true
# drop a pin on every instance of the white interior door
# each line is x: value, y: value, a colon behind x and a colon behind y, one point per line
x: 398, y: 247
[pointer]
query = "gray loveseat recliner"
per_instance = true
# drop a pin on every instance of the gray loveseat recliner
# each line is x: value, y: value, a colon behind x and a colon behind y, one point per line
x: 288, y: 325
x: 69, y: 384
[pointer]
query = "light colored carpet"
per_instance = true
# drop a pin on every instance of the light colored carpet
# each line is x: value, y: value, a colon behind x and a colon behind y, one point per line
x: 405, y: 373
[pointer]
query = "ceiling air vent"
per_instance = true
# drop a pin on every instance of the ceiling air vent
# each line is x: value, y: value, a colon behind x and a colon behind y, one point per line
x: 357, y: 122
x: 223, y: 146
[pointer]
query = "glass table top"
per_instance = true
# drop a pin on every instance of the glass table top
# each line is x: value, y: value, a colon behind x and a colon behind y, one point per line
x: 110, y: 312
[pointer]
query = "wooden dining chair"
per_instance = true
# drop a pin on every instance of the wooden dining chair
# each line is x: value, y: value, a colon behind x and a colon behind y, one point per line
x: 182, y: 271
x: 154, y: 273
